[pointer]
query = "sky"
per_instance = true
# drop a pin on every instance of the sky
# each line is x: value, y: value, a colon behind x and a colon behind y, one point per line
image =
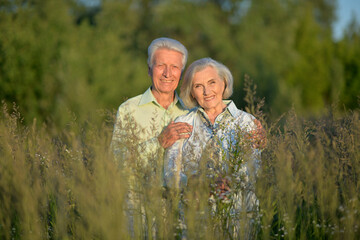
x: 344, y: 12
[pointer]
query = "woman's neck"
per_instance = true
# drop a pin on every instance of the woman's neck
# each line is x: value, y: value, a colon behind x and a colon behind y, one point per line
x: 214, y: 112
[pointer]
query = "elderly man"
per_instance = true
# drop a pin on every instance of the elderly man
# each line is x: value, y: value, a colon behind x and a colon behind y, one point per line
x: 150, y: 116
x: 144, y: 127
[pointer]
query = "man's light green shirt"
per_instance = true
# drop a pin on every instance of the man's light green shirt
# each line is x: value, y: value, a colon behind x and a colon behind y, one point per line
x: 139, y: 122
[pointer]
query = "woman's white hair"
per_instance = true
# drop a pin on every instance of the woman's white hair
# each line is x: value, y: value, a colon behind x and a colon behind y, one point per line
x: 197, y: 66
x: 167, y: 43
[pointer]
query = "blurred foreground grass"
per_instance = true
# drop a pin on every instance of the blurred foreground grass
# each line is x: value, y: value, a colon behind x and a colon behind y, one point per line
x: 65, y: 184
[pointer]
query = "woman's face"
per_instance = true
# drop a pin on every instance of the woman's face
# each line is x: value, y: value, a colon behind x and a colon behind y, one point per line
x: 208, y: 88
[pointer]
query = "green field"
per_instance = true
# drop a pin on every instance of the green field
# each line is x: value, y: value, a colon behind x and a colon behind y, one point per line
x: 65, y: 185
x: 65, y: 68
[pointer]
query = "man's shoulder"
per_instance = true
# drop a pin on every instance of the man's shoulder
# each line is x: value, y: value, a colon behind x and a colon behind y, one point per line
x: 131, y: 102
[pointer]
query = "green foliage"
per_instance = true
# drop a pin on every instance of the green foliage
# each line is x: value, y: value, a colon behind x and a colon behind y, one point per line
x: 60, y: 56
x: 348, y: 51
x: 315, y: 65
x: 30, y: 56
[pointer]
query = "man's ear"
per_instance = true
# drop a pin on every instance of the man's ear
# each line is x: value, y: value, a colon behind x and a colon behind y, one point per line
x: 149, y: 71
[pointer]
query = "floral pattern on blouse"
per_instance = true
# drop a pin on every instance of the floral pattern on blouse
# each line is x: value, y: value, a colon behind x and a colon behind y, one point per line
x: 216, y: 148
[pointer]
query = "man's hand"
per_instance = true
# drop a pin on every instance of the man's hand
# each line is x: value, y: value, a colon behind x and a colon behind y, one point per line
x: 173, y: 132
x: 258, y: 136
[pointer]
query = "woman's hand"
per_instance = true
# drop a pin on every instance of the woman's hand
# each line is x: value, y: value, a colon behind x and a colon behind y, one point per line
x: 222, y: 188
x: 258, y: 136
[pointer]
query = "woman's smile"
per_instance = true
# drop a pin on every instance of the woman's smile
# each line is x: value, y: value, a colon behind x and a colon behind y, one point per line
x: 208, y: 89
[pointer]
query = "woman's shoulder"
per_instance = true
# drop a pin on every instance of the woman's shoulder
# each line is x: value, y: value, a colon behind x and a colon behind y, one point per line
x: 189, y: 117
x: 245, y: 115
x: 242, y: 117
x: 237, y: 113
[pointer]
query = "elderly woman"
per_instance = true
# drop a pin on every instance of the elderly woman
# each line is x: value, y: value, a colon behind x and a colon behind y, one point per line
x: 224, y: 141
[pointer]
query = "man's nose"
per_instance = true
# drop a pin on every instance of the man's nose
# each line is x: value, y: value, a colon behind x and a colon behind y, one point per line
x: 167, y: 72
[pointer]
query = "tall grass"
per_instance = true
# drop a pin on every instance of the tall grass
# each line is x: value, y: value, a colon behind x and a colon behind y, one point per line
x: 60, y: 185
x: 309, y: 187
x: 66, y: 185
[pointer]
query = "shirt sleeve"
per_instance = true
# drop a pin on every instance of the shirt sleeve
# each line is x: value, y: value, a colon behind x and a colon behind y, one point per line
x: 173, y: 175
x: 118, y: 143
x: 126, y: 144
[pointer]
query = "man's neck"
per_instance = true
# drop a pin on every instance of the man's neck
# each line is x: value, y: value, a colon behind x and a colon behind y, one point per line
x: 164, y: 99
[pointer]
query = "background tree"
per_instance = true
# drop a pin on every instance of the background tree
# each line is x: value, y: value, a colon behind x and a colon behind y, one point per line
x: 61, y: 56
x: 348, y: 50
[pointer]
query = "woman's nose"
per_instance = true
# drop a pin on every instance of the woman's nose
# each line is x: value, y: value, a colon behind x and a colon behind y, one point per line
x: 206, y: 90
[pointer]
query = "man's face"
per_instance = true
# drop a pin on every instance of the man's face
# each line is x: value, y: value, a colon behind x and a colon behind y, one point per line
x: 166, y: 70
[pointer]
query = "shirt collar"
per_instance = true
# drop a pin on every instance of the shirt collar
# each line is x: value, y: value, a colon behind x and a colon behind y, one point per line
x: 230, y: 107
x: 148, y: 97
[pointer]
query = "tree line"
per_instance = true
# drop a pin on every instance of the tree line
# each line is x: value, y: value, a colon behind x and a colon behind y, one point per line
x: 61, y: 59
